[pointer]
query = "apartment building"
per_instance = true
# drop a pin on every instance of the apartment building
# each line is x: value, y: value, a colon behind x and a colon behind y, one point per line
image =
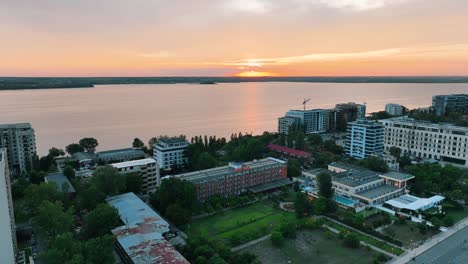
x: 312, y: 121
x: 170, y: 152
x: 364, y: 138
x: 20, y: 142
x: 444, y: 104
x: 236, y: 178
x: 148, y: 170
x: 8, y: 246
x: 427, y: 140
x: 342, y: 114
x: 394, y: 109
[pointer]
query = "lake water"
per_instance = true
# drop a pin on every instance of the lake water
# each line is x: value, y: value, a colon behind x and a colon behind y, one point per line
x: 115, y: 114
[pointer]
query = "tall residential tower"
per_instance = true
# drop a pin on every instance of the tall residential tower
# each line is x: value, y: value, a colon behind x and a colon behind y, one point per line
x: 20, y: 142
x: 7, y: 216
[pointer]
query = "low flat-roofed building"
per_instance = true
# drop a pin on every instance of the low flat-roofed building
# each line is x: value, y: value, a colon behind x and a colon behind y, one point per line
x: 142, y: 237
x: 355, y: 184
x: 413, y: 203
x: 62, y: 182
x: 120, y: 155
x: 147, y: 169
x: 236, y: 178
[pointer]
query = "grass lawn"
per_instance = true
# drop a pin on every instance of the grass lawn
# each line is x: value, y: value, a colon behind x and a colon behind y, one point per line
x: 408, y: 234
x: 458, y: 215
x: 311, y: 246
x: 241, y: 224
x: 367, y: 239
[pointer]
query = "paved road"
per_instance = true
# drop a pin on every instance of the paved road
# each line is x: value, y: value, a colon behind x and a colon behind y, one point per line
x: 439, y: 254
x: 453, y: 250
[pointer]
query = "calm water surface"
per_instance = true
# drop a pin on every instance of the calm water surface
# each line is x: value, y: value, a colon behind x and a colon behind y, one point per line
x: 115, y: 114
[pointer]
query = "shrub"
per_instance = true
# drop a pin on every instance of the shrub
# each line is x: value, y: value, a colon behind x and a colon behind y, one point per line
x: 277, y: 238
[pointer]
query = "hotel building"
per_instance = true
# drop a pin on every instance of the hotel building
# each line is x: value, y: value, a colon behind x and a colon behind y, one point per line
x: 148, y: 170
x: 427, y: 140
x: 170, y: 152
x: 20, y: 142
x: 236, y: 178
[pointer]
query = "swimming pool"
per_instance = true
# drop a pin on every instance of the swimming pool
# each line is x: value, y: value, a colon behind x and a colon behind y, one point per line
x: 344, y: 201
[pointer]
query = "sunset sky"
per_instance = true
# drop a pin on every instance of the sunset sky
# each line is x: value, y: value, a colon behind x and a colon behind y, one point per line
x: 233, y: 37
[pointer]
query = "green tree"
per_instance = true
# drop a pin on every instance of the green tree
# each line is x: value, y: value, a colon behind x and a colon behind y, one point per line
x: 63, y: 248
x: 351, y: 241
x: 55, y: 152
x: 395, y: 152
x: 375, y: 164
x: 324, y: 181
x: 178, y: 215
x: 52, y: 219
x: 69, y: 172
x: 288, y: 229
x: 36, y: 194
x: 100, y: 221
x: 89, y: 198
x: 314, y: 139
x: 134, y: 182
x: 174, y: 191
x: 294, y: 168
x: 301, y: 204
x: 108, y: 180
x: 74, y: 148
x: 137, y: 143
x: 89, y: 144
x: 300, y: 142
x: 99, y: 250
x: 206, y: 161
x: 277, y: 238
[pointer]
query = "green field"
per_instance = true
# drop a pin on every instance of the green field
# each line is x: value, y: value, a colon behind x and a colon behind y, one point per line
x: 240, y: 225
x: 458, y: 215
x: 311, y: 246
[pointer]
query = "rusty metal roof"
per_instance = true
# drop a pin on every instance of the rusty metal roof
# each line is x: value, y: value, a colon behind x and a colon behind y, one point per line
x: 142, y: 235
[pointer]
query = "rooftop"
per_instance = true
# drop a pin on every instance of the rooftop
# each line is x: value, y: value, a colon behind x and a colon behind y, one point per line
x: 290, y: 151
x: 83, y: 155
x: 414, y: 203
x: 16, y: 125
x: 121, y: 151
x: 270, y: 185
x: 378, y: 191
x: 398, y: 176
x: 414, y: 122
x: 229, y: 170
x: 355, y: 178
x: 60, y: 180
x: 142, y: 235
x: 139, y: 162
x: 173, y: 140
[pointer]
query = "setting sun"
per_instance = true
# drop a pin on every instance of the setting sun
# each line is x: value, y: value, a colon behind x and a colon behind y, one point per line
x: 255, y: 74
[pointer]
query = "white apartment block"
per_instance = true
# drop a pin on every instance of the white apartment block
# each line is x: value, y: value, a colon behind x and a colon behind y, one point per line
x: 170, y: 153
x: 20, y: 142
x: 427, y: 140
x: 394, y: 109
x: 7, y: 217
x: 364, y: 138
x: 148, y: 170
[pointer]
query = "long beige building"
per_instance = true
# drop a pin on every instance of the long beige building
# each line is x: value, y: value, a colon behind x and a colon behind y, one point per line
x: 427, y: 140
x: 8, y: 244
x: 20, y: 142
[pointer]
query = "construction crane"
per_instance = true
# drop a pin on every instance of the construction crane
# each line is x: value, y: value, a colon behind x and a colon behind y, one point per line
x: 305, y: 102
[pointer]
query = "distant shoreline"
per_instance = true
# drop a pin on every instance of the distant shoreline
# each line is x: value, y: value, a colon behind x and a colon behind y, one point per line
x: 26, y: 83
